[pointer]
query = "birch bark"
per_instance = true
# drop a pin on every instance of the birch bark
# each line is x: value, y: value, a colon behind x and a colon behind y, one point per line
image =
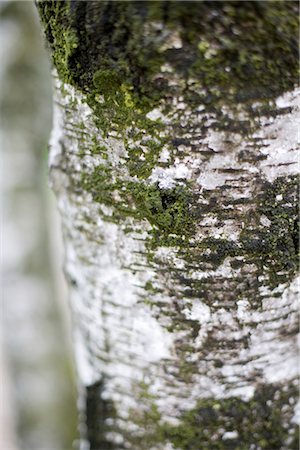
x: 174, y: 160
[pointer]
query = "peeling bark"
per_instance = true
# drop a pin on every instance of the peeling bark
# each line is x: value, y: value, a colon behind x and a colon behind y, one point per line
x: 174, y: 161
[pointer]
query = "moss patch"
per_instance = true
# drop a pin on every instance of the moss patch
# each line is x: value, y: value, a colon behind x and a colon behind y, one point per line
x: 275, y: 247
x: 61, y: 35
x: 169, y: 211
x: 235, y: 51
x: 261, y: 423
x: 239, y: 49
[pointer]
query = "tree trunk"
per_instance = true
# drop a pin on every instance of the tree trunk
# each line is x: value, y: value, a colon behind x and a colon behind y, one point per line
x: 173, y: 158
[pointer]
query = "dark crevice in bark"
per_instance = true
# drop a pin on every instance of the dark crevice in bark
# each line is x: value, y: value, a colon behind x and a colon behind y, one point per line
x: 97, y: 412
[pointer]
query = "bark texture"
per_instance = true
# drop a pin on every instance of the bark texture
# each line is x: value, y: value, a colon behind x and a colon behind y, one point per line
x: 174, y: 161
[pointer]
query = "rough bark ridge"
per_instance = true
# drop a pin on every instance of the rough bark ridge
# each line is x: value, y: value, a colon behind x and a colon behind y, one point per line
x: 174, y: 161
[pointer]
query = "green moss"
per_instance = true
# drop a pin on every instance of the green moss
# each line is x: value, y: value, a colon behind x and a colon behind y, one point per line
x: 147, y: 419
x: 242, y: 59
x: 273, y: 249
x: 166, y: 209
x: 106, y: 82
x: 260, y: 423
x: 169, y: 211
x: 236, y: 52
x: 142, y: 159
x: 276, y: 247
x: 98, y: 184
x: 111, y: 100
x: 60, y: 34
x: 173, y: 214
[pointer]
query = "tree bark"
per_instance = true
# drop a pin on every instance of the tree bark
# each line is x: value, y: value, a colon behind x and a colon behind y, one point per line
x: 174, y: 161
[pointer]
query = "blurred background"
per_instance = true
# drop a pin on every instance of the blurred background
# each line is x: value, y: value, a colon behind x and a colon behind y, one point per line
x: 38, y: 388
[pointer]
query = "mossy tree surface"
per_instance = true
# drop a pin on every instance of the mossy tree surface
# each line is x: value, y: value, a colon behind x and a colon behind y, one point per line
x: 174, y: 161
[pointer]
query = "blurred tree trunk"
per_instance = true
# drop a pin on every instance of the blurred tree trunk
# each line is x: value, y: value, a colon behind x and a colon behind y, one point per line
x: 173, y: 158
x: 38, y: 392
